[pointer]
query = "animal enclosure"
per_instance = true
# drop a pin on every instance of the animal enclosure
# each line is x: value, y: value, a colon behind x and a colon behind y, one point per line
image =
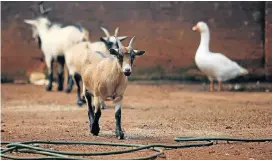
x: 157, y: 76
x: 240, y: 30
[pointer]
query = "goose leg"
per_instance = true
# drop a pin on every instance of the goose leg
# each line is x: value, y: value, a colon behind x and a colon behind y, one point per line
x: 220, y: 88
x: 211, y: 86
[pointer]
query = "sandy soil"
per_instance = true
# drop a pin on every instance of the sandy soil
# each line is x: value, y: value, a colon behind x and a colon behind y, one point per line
x: 151, y: 114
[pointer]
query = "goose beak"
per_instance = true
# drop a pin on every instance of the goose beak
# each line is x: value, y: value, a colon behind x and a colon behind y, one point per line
x: 195, y: 28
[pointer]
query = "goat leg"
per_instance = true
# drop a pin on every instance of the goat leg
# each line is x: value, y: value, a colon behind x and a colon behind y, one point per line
x: 119, y: 133
x: 61, y: 61
x: 77, y: 78
x: 95, y: 127
x: 88, y: 98
x: 70, y: 84
x: 49, y: 63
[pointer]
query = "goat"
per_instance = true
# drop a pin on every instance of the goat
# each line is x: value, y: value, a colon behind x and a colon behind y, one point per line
x: 54, y: 39
x: 109, y: 40
x: 105, y: 78
x: 73, y: 57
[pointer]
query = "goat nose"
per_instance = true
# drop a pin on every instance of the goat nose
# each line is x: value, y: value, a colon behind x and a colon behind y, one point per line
x: 127, y: 70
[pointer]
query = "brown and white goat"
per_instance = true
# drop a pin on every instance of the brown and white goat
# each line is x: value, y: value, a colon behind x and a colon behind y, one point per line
x: 75, y: 54
x: 105, y: 78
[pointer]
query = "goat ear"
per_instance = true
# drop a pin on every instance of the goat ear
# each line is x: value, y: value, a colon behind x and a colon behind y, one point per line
x: 138, y: 52
x: 122, y: 38
x: 103, y: 39
x: 31, y: 22
x: 114, y: 52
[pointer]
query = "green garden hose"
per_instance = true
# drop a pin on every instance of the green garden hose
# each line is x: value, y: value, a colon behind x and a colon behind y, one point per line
x: 33, y: 147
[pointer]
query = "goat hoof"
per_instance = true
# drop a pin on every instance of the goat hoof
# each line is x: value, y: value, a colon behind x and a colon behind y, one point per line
x: 68, y: 90
x: 80, y: 103
x: 83, y: 100
x: 95, y: 130
x: 48, y: 88
x: 119, y: 134
x: 60, y: 88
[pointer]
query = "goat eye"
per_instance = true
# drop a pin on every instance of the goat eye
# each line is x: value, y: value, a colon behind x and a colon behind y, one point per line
x: 110, y: 44
x: 132, y: 58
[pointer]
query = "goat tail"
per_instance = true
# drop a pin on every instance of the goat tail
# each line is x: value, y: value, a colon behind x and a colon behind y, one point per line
x: 85, y: 35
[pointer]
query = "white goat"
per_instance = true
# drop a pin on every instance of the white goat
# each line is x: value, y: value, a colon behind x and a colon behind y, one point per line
x: 55, y: 40
x: 109, y: 40
x: 105, y: 78
x: 75, y: 54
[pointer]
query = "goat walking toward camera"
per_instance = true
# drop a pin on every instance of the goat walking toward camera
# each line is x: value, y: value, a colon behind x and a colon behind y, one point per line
x: 105, y: 78
x: 75, y: 61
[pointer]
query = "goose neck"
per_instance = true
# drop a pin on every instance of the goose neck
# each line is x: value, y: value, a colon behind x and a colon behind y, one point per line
x: 205, y: 40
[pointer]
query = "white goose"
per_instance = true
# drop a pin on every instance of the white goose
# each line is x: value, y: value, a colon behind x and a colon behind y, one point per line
x: 215, y: 65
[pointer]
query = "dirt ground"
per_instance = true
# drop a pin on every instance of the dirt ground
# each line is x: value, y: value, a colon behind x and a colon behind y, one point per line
x: 152, y: 113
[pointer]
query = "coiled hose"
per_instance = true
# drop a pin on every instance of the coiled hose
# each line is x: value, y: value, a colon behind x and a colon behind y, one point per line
x: 33, y: 147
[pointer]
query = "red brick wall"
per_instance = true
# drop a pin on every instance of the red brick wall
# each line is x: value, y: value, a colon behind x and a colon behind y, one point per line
x: 268, y: 41
x: 163, y: 29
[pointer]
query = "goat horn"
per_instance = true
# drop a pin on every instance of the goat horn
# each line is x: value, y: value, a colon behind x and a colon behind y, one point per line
x: 105, y: 31
x: 42, y: 9
x: 131, y: 42
x: 116, y: 32
x: 47, y: 10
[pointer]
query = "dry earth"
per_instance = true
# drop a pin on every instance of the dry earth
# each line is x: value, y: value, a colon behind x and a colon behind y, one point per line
x: 152, y: 113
